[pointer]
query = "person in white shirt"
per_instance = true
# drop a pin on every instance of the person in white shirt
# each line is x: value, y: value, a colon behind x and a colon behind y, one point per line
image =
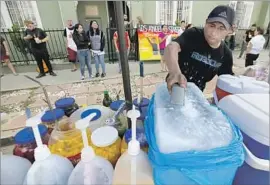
x: 255, y: 46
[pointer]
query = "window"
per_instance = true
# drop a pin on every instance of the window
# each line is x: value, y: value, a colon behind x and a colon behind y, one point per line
x: 165, y: 12
x: 20, y: 11
x: 184, y: 11
x: 243, y: 10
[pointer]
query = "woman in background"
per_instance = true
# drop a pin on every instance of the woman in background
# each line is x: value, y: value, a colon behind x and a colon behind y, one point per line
x: 162, y: 44
x: 97, y: 44
x: 5, y: 56
x: 82, y: 42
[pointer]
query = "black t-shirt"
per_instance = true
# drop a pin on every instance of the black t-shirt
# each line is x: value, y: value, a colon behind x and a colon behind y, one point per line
x: 249, y: 35
x: 198, y: 61
x: 39, y: 33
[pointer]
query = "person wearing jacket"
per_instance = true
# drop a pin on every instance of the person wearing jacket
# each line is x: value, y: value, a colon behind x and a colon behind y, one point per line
x: 82, y: 42
x: 97, y: 44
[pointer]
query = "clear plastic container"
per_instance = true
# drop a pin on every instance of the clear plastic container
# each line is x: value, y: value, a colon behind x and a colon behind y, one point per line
x: 92, y: 169
x: 140, y: 136
x: 133, y: 167
x: 48, y: 168
x: 107, y: 143
x: 13, y: 169
x: 25, y: 142
x: 68, y: 105
x: 101, y: 114
x: 66, y: 141
x: 120, y: 121
x: 51, y: 117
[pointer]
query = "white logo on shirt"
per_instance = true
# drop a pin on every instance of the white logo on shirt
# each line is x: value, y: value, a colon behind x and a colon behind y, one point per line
x: 205, y: 59
x: 223, y: 14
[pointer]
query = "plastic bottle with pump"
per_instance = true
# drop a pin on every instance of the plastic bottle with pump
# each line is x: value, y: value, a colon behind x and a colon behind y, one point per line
x: 133, y: 166
x: 92, y: 169
x: 13, y: 169
x: 48, y: 168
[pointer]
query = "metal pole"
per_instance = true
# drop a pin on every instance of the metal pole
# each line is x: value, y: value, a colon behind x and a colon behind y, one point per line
x: 123, y: 55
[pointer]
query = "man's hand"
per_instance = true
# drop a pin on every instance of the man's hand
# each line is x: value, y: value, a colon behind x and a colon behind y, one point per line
x: 174, y: 78
x: 38, y: 41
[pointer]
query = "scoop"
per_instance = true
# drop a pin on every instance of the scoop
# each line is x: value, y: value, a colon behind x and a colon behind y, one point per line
x: 111, y: 121
x: 178, y: 95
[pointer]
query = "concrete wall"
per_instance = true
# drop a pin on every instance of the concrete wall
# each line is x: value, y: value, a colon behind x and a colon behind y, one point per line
x: 201, y: 10
x: 145, y: 9
x: 50, y: 15
x: 267, y: 18
x: 68, y: 11
x: 102, y: 16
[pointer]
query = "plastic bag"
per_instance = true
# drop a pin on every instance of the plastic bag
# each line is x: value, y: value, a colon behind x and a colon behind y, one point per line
x: 216, y: 166
x: 259, y: 71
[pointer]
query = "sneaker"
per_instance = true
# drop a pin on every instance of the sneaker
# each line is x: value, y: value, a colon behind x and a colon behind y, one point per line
x: 1, y: 76
x: 41, y: 75
x: 82, y: 78
x: 103, y: 75
x: 97, y: 75
x: 53, y: 74
x: 15, y: 74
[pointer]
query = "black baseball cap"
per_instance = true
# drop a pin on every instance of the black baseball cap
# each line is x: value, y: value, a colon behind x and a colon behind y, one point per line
x: 223, y: 14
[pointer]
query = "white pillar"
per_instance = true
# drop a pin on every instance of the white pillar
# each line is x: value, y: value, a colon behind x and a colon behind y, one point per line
x: 5, y: 14
x: 36, y: 12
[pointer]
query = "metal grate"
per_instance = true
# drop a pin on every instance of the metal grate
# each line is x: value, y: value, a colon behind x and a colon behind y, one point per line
x: 20, y: 11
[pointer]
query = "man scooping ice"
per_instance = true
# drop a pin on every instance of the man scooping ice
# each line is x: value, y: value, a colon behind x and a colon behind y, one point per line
x: 199, y: 53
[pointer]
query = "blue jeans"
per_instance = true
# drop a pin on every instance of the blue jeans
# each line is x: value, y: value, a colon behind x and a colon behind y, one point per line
x: 84, y: 57
x: 99, y: 59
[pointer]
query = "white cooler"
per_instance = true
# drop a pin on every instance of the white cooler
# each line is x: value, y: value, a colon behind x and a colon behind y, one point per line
x: 228, y: 84
x: 250, y: 112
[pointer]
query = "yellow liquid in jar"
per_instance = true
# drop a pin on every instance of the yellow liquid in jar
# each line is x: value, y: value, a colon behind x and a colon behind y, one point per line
x: 67, y: 144
x: 111, y: 153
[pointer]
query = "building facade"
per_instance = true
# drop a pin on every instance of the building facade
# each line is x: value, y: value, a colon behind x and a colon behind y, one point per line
x: 53, y: 14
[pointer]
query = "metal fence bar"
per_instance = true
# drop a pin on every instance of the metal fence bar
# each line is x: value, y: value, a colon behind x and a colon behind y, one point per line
x: 20, y: 51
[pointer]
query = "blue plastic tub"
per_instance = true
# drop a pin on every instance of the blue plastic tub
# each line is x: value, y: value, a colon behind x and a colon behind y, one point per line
x: 213, y: 167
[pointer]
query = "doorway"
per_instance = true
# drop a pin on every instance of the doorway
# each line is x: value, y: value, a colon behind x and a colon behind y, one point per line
x: 88, y: 20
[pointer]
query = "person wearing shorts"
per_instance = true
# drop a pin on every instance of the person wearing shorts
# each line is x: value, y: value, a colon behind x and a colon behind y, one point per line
x: 71, y: 46
x: 116, y: 44
x: 5, y: 56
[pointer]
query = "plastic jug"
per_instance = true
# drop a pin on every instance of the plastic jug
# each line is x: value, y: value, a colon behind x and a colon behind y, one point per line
x: 133, y: 166
x: 48, y: 168
x: 13, y: 169
x: 92, y: 169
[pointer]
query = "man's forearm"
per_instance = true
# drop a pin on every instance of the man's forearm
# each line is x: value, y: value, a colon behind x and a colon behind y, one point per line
x: 171, y: 57
x: 45, y: 39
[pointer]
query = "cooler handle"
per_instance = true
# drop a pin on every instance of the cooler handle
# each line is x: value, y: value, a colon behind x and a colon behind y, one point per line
x: 255, y: 162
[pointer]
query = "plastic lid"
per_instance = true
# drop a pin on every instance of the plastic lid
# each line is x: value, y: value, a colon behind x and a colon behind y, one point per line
x: 106, y: 92
x: 143, y: 103
x: 241, y: 84
x: 27, y: 136
x: 140, y: 136
x: 64, y: 102
x: 143, y: 111
x: 250, y: 112
x: 116, y: 104
x: 52, y: 115
x: 87, y: 112
x: 104, y: 136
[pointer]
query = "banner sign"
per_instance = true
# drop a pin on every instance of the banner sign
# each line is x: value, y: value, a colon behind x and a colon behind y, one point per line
x: 149, y: 37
